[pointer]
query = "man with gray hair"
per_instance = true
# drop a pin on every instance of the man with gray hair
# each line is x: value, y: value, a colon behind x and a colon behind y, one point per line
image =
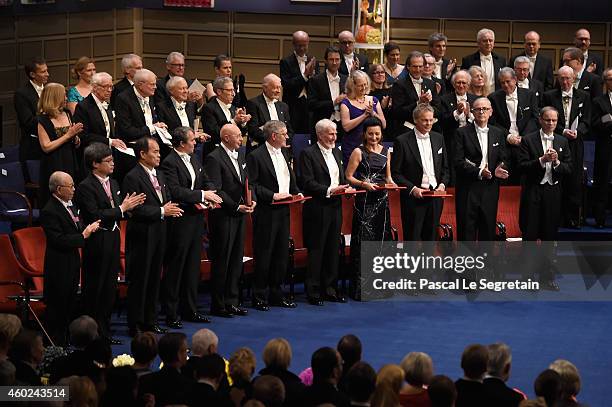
x: 175, y: 65
x: 540, y: 66
x: 485, y: 58
x: 585, y: 80
x: 443, y: 67
x: 177, y: 110
x: 496, y: 392
x: 130, y: 64
x: 521, y: 68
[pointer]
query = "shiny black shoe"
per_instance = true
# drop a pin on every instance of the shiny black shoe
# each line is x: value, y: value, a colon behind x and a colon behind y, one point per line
x: 283, y: 303
x: 335, y: 298
x: 156, y: 329
x: 237, y: 310
x: 315, y: 301
x: 197, y: 318
x: 174, y: 324
x: 222, y: 313
x: 260, y: 305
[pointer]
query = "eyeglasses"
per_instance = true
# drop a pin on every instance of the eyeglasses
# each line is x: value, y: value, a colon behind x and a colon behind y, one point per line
x: 480, y: 109
x: 177, y: 65
x: 347, y: 42
x: 107, y: 87
x: 229, y: 90
x: 66, y: 186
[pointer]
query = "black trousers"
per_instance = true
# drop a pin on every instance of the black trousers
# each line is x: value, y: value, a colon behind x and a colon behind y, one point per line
x: 573, y: 183
x: 420, y: 217
x: 61, y: 300
x: 540, y: 212
x: 476, y: 209
x: 602, y: 172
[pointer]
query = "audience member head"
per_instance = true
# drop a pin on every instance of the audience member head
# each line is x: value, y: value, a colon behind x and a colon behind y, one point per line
x: 349, y: 346
x: 270, y: 390
x: 415, y: 62
x: 389, y: 382
x: 121, y: 387
x: 231, y: 137
x: 357, y: 84
x: 372, y: 135
x: 144, y: 348
x: 437, y: 45
x: 177, y: 87
x: 36, y: 70
x: 27, y: 347
x: 418, y: 368
x: 607, y: 78
x: 521, y: 67
x: 574, y: 58
x: 582, y: 39
x: 52, y: 100
x: 549, y: 116
x: 479, y: 85
x: 204, y: 341
x: 486, y: 41
x: 429, y: 65
x: 271, y: 86
x: 145, y: 82
x: 82, y: 391
x: 146, y: 150
x: 539, y: 402
x: 173, y: 349
x: 475, y: 357
x: 423, y: 117
x: 461, y: 82
x: 277, y: 352
x: 102, y: 86
x: 98, y: 158
x: 507, y: 80
x: 212, y: 368
x: 442, y: 391
x: 378, y: 77
x: 326, y: 366
x: 360, y: 382
x: 130, y: 64
x: 183, y: 140
x: 84, y: 69
x: 10, y: 325
x: 346, y: 41
x: 254, y: 403
x: 7, y: 373
x: 300, y: 40
x: 327, y: 133
x: 61, y: 185
x: 223, y: 66
x: 548, y: 385
x: 332, y: 60
x: 570, y: 378
x: 175, y: 64
x: 532, y: 43
x: 275, y: 133
x: 392, y: 55
x: 242, y: 365
x: 500, y: 361
x: 224, y: 89
x: 565, y: 78
x: 83, y: 330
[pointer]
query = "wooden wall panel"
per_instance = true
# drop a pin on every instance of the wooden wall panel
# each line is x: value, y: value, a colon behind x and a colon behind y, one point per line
x: 124, y: 19
x: 7, y: 28
x: 465, y: 30
x: 36, y: 26
x: 192, y: 20
x: 56, y: 50
x: 281, y: 24
x: 7, y: 80
x: 105, y: 66
x: 103, y: 46
x: 158, y: 43
x: 9, y: 55
x: 262, y: 48
x: 207, y: 45
x: 124, y: 43
x: 402, y: 29
x: 79, y: 47
x: 341, y: 23
x: 157, y: 65
x: 29, y: 50
x: 61, y: 74
x: 91, y: 22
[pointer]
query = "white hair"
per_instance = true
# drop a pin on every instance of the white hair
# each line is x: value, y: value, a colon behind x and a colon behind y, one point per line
x: 323, y: 125
x: 143, y: 75
x: 174, y: 81
x: 100, y: 77
x: 173, y: 55
x: 201, y: 341
x: 127, y: 61
x: 484, y: 31
x: 521, y: 60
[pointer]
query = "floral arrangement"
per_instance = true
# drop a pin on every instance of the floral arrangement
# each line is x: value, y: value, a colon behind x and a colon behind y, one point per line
x: 373, y: 36
x: 123, y: 360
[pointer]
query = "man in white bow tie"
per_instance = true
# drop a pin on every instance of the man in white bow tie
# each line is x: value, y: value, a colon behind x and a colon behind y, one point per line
x: 523, y: 80
x: 602, y: 126
x: 485, y: 57
x: 350, y: 60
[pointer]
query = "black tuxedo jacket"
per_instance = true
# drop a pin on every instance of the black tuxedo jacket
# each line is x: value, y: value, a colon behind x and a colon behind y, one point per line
x: 203, y: 394
x: 94, y: 130
x: 225, y: 180
x: 161, y: 93
x: 213, y: 119
x: 591, y: 83
x: 258, y: 109
x: 448, y: 105
x: 448, y: 86
x: 600, y: 108
x: 130, y: 119
x: 363, y: 63
x: 595, y: 58
x: 474, y: 59
x: 537, y: 88
x: 469, y: 394
x: 581, y: 107
x: 25, y: 101
x: 498, y: 394
x: 118, y: 88
x: 322, y: 393
x: 442, y: 83
x: 529, y: 160
x: 178, y: 181
x: 291, y: 78
x: 262, y: 177
x: 167, y: 113
x: 468, y: 153
x: 137, y: 180
x: 406, y: 164
x: 542, y: 69
x: 405, y: 99
x: 168, y: 386
x: 320, y: 101
x: 314, y: 175
x: 526, y: 112
x: 94, y: 204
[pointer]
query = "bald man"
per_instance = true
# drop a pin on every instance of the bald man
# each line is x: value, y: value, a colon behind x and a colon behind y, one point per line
x: 266, y: 107
x: 349, y: 60
x: 540, y: 66
x: 593, y: 62
x: 295, y: 71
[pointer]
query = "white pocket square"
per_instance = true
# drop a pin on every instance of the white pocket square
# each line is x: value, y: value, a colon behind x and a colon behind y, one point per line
x: 527, y: 108
x: 243, y: 166
x: 560, y: 149
x: 495, y: 144
x: 580, y: 105
x: 118, y: 192
x: 440, y: 150
x: 587, y: 87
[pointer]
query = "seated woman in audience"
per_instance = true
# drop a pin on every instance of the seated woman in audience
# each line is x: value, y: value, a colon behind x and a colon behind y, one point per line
x: 144, y: 351
x: 10, y: 325
x: 82, y: 391
x: 26, y: 353
x: 83, y: 70
x: 355, y: 109
x: 570, y: 383
x: 381, y: 90
x: 277, y: 357
x: 479, y: 84
x: 418, y: 370
x: 389, y: 381
x: 241, y: 368
x: 58, y: 138
x: 223, y: 67
x: 368, y: 167
x: 393, y: 69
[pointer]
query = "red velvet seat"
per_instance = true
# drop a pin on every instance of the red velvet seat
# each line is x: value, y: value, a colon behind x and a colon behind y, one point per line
x: 30, y: 244
x: 508, y: 212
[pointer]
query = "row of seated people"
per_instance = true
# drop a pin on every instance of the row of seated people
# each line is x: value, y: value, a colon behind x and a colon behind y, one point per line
x: 196, y: 374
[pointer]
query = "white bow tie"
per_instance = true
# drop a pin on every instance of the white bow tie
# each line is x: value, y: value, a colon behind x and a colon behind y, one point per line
x: 486, y: 57
x: 302, y: 59
x: 439, y: 63
x: 143, y: 101
x: 422, y: 136
x: 532, y: 59
x: 104, y: 105
x: 482, y: 131
x: 510, y: 98
x: 233, y: 154
x: 180, y: 105
x: 461, y: 98
x: 566, y: 94
x: 548, y: 138
x: 185, y: 157
x: 228, y: 106
x: 417, y: 81
x: 334, y: 79
x: 276, y: 151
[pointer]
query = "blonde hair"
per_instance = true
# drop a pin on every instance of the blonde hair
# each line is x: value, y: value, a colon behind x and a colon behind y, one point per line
x: 277, y: 352
x: 80, y: 65
x: 52, y: 99
x: 485, y: 88
x: 350, y: 83
x: 242, y: 364
x: 570, y: 377
x: 82, y: 391
x: 10, y: 325
x: 389, y: 382
x: 418, y: 368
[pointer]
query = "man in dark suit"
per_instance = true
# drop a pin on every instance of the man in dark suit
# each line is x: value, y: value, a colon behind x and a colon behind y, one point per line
x: 495, y: 390
x: 175, y: 65
x: 514, y: 110
x: 485, y: 58
x: 474, y: 360
x: 145, y: 242
x: 480, y: 154
x: 209, y: 374
x: 540, y: 66
x: 295, y: 72
x: 412, y: 90
x: 130, y: 64
x: 220, y: 111
x: 543, y: 169
x: 26, y: 102
x: 521, y: 69
x: 264, y: 108
x: 326, y: 370
x: 593, y: 62
x: 273, y: 180
x: 326, y: 91
x: 177, y: 111
x: 574, y: 107
x: 428, y: 73
x: 601, y: 114
x: 65, y: 235
x: 321, y: 176
x: 585, y: 80
x: 350, y: 61
x: 226, y: 168
x: 189, y: 186
x: 99, y: 199
x: 443, y: 67
x: 419, y: 163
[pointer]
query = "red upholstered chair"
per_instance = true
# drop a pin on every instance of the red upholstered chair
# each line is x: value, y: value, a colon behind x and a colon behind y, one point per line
x: 396, y: 215
x: 508, y: 212
x: 448, y: 219
x: 30, y: 244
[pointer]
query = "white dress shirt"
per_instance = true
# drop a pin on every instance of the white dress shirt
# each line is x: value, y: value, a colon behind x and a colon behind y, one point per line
x: 532, y: 61
x: 37, y: 87
x: 438, y: 69
x: 334, y: 89
x: 486, y: 63
x: 426, y: 153
x: 417, y: 84
x: 332, y: 168
x: 461, y: 118
x: 226, y: 110
x: 610, y: 96
x: 233, y: 156
x: 302, y: 64
x: 523, y: 84
x: 103, y: 106
x: 280, y: 168
x: 567, y: 106
x: 180, y: 110
x: 349, y: 60
x: 146, y: 110
x: 547, y: 143
x: 512, y: 104
x: 271, y: 104
x: 483, y: 140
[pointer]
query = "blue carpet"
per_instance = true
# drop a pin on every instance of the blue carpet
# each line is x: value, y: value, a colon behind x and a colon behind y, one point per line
x: 537, y: 332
